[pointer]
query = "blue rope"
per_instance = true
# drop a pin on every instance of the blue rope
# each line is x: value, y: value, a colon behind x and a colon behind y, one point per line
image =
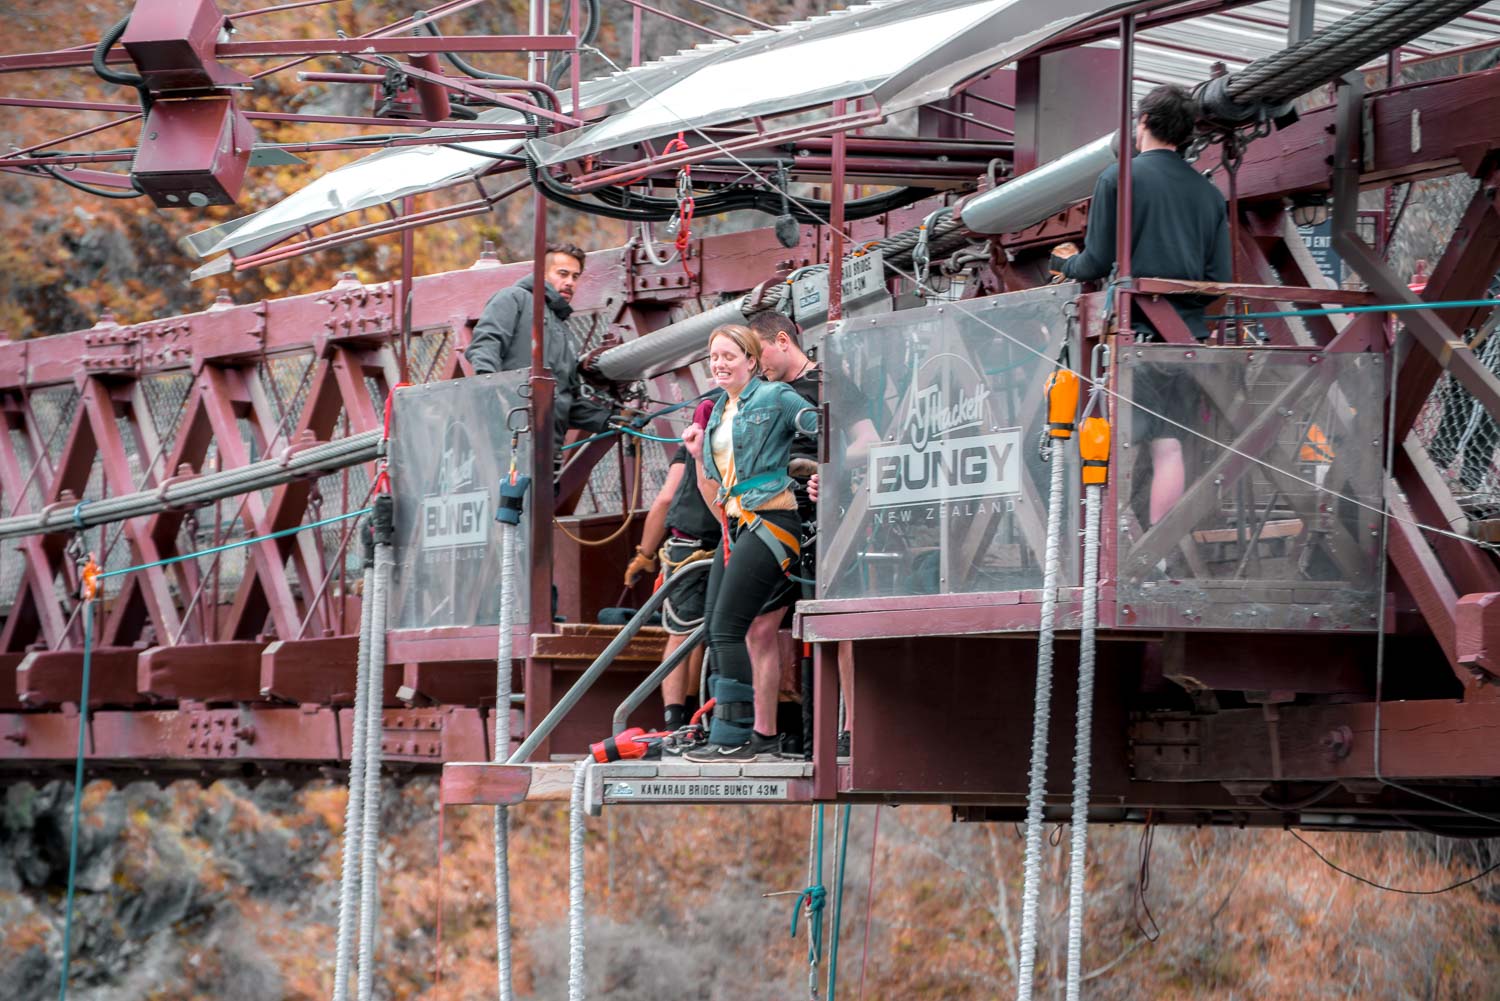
x: 83, y: 729
x: 838, y: 904
x: 236, y: 545
x: 1399, y: 307
x: 814, y: 898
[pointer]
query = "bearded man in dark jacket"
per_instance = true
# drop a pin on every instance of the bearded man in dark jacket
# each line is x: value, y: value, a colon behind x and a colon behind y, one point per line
x: 502, y: 340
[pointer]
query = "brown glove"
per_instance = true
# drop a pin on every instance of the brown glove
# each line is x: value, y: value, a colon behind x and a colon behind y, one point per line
x: 1061, y: 253
x: 642, y: 562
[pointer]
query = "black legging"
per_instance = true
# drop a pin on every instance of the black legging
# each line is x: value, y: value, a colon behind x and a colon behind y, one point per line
x: 737, y: 592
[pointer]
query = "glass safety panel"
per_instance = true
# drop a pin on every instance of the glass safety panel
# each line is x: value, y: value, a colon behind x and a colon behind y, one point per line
x: 1248, y: 484
x: 951, y: 496
x: 449, y: 447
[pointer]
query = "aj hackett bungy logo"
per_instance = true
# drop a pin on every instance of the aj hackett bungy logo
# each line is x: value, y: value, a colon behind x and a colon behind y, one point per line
x: 457, y: 514
x: 945, y: 453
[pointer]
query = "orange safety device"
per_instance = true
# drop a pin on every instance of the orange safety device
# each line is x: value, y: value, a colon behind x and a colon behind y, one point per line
x: 1062, y: 402
x: 90, y: 577
x: 1093, y: 449
x: 634, y: 743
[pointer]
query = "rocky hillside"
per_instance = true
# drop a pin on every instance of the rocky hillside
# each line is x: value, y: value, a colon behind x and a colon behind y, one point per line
x: 230, y: 893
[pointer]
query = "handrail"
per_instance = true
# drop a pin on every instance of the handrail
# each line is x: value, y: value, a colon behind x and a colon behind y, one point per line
x: 583, y: 684
x: 635, y: 698
x: 666, y: 667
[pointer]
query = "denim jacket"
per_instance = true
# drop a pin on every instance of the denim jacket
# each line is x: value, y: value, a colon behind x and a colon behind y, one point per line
x: 763, y: 430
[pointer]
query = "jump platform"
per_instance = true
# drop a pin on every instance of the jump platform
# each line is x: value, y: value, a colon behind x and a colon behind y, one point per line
x: 628, y: 782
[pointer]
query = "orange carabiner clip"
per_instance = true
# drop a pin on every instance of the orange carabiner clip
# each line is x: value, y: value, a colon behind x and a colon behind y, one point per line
x: 90, y: 575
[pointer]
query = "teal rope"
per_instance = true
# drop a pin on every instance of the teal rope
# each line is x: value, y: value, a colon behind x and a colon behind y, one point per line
x: 838, y: 904
x: 639, y: 434
x: 651, y: 437
x: 620, y: 430
x: 83, y: 729
x: 83, y: 712
x: 236, y: 545
x: 1399, y: 307
x: 592, y: 438
x: 813, y: 897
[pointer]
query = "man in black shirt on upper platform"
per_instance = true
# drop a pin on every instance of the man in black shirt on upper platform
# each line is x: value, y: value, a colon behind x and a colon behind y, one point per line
x: 1179, y: 229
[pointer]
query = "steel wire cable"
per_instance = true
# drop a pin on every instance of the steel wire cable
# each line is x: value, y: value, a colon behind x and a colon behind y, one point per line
x: 1341, y: 47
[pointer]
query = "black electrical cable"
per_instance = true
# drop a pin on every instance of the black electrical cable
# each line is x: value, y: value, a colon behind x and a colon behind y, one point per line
x: 585, y: 39
x: 506, y: 157
x: 628, y: 206
x: 1311, y: 799
x: 58, y: 175
x: 143, y: 94
x: 1391, y: 889
x: 807, y: 211
x: 458, y: 62
x: 101, y: 53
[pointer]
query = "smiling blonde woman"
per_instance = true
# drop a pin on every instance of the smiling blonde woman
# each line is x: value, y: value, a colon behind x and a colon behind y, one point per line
x: 742, y: 453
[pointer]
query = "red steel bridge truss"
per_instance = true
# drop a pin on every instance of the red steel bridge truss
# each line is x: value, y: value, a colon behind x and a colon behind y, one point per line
x: 242, y: 663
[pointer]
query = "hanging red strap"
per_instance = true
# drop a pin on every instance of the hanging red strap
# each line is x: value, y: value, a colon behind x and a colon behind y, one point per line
x: 684, y: 204
x: 684, y: 235
x: 389, y: 399
x: 383, y: 474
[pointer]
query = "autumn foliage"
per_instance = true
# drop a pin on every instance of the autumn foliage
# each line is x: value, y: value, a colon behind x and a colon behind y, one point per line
x: 68, y: 255
x: 225, y: 892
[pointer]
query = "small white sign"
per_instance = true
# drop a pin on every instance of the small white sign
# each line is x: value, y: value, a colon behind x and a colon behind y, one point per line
x: 864, y: 276
x: 693, y: 790
x: 460, y: 519
x: 947, y: 469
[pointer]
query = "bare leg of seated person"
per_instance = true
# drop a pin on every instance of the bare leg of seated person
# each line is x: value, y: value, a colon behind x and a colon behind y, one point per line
x: 846, y: 690
x: 1168, y: 476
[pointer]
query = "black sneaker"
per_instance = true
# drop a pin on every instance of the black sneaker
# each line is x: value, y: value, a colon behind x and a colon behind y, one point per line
x: 844, y: 743
x: 679, y: 742
x: 752, y: 749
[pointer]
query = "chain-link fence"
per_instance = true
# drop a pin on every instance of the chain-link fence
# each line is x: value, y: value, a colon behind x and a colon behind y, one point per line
x: 1461, y: 438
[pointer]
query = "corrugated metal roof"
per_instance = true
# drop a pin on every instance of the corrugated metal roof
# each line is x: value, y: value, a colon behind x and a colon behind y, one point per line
x: 1183, y: 52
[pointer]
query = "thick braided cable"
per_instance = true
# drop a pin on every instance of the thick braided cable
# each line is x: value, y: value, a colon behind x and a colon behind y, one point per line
x: 505, y: 990
x: 354, y: 808
x: 1083, y: 740
x: 369, y: 908
x: 575, y: 883
x: 1037, y: 789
